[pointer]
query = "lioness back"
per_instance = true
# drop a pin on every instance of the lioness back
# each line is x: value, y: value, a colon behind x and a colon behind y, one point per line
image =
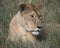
x: 26, y: 24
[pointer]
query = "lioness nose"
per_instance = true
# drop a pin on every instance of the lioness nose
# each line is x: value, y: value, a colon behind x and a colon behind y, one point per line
x: 39, y: 27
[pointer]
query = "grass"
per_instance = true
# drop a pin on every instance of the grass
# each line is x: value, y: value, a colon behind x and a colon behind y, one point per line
x: 50, y: 21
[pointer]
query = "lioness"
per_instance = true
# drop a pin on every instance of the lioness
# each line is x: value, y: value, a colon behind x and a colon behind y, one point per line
x: 26, y: 24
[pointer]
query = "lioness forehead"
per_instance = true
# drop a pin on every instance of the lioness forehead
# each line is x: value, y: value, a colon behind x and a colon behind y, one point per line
x: 28, y: 7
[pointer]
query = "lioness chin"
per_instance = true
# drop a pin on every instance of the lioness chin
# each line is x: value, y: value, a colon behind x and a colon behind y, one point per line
x: 26, y: 24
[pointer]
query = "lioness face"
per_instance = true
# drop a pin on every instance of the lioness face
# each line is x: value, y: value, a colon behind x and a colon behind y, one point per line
x: 31, y: 17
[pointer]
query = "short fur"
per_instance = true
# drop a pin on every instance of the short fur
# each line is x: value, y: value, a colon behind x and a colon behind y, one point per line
x: 27, y: 18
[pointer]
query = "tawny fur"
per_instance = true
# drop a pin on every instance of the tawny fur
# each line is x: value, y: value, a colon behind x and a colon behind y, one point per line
x: 22, y: 21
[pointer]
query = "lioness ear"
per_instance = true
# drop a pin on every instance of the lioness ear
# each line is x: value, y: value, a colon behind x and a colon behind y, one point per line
x: 22, y: 7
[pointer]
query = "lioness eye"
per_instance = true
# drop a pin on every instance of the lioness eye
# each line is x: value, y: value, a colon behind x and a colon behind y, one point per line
x: 40, y: 16
x: 31, y: 15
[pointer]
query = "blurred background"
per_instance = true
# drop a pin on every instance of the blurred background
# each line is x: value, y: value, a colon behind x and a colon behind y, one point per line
x: 50, y: 23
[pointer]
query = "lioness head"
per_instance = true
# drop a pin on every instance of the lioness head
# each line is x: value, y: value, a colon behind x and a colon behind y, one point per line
x: 31, y: 17
x: 26, y: 23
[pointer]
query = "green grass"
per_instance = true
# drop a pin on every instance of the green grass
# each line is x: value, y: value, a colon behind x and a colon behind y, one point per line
x: 50, y: 21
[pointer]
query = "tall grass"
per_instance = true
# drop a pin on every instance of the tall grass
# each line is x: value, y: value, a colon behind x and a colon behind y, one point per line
x: 50, y: 21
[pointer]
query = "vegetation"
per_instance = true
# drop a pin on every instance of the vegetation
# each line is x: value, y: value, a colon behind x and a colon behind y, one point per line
x: 50, y: 23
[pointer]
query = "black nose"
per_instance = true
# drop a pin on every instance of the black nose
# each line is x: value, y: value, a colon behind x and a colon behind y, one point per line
x: 39, y: 27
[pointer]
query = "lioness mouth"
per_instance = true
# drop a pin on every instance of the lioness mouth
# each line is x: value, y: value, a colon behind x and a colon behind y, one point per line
x: 35, y: 32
